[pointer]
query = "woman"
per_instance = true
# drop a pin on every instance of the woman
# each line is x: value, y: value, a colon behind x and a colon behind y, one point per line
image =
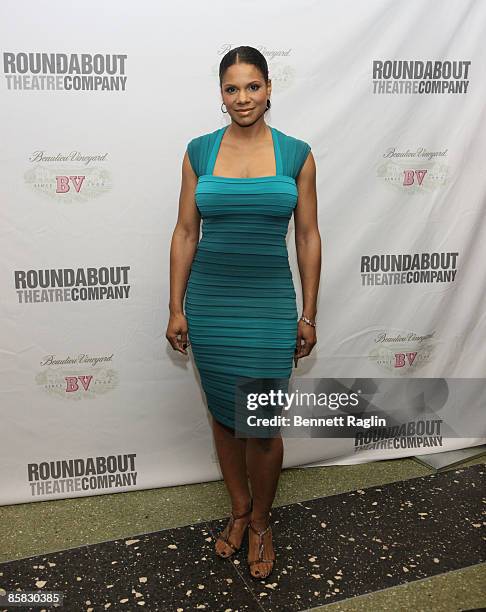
x: 244, y: 180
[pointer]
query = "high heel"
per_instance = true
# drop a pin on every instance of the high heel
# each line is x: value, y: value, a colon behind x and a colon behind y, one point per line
x: 261, y: 559
x: 224, y: 536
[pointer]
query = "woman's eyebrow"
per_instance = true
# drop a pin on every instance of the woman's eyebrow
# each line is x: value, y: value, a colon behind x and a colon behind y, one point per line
x: 249, y: 83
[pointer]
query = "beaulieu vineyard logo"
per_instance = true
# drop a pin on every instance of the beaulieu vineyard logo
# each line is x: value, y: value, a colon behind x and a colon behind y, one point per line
x: 402, y: 352
x: 414, y: 172
x: 79, y: 377
x: 64, y: 71
x: 420, y: 76
x: 70, y: 177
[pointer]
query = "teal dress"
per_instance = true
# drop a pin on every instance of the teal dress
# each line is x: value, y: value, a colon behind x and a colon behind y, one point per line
x: 240, y: 301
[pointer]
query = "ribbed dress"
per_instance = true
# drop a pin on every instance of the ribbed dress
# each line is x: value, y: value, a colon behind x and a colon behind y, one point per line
x: 240, y: 300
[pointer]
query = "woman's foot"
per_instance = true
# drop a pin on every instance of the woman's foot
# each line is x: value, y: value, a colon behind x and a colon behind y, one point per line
x: 261, y: 556
x: 229, y: 540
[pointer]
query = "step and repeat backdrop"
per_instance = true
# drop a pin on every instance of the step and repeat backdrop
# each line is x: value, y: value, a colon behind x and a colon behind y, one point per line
x: 98, y: 105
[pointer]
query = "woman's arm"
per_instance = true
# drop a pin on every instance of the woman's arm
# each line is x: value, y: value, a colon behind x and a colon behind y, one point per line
x: 308, y: 246
x: 307, y: 237
x: 182, y: 250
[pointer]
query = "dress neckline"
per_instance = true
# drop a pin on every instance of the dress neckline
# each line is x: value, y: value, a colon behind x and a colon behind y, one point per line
x: 215, y: 150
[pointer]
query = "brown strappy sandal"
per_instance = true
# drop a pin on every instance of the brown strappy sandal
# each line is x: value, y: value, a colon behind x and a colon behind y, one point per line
x: 224, y: 536
x: 260, y: 559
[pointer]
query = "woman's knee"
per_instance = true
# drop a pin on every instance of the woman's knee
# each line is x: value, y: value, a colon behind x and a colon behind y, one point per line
x: 267, y: 444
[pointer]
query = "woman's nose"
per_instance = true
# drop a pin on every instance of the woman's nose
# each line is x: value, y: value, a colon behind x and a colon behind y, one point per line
x: 243, y: 97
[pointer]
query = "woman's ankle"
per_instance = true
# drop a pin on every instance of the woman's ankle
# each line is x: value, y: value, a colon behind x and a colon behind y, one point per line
x: 242, y: 508
x: 260, y: 521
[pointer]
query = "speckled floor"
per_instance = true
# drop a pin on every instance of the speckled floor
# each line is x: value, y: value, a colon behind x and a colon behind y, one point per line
x: 328, y: 550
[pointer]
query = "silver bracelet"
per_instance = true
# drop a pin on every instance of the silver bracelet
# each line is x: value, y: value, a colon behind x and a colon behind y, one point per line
x: 308, y: 321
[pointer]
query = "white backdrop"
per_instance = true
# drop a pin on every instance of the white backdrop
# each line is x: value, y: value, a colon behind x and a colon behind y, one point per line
x: 90, y: 176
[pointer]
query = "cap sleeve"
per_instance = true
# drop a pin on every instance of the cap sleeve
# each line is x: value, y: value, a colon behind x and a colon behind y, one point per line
x: 194, y: 153
x: 302, y: 150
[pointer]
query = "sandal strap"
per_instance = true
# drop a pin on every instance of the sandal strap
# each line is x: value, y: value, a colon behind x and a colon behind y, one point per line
x: 259, y: 533
x: 252, y: 563
x: 224, y: 536
x: 261, y: 543
x: 227, y: 541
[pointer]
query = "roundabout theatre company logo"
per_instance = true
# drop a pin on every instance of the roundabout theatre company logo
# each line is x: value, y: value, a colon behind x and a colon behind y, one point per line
x: 420, y: 77
x: 62, y: 71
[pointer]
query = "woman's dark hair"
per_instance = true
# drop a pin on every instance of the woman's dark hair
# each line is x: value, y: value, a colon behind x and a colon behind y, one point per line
x: 247, y: 55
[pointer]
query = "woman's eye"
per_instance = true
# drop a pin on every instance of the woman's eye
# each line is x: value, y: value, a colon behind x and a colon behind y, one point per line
x: 254, y: 86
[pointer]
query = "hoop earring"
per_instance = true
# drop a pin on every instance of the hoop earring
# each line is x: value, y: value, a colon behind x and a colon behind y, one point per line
x: 269, y: 104
x: 223, y: 111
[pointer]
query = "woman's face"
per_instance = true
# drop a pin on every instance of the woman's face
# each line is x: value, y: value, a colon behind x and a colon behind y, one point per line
x: 245, y: 93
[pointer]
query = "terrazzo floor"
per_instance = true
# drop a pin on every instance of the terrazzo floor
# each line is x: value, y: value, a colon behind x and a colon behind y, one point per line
x: 328, y: 550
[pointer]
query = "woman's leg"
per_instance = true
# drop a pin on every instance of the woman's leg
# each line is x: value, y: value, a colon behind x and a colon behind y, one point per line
x: 264, y: 457
x: 232, y: 459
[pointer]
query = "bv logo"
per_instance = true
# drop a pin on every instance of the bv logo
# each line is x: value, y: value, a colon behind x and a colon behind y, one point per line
x: 72, y: 382
x: 401, y: 359
x: 400, y: 352
x: 62, y: 183
x: 65, y: 384
x: 409, y: 177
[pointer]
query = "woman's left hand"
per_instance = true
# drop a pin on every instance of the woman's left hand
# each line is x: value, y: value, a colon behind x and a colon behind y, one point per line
x: 306, y: 340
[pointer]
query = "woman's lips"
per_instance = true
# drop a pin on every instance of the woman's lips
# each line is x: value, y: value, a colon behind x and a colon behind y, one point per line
x: 247, y: 110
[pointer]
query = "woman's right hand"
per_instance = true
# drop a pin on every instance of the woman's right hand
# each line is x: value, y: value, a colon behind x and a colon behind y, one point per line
x: 177, y: 326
